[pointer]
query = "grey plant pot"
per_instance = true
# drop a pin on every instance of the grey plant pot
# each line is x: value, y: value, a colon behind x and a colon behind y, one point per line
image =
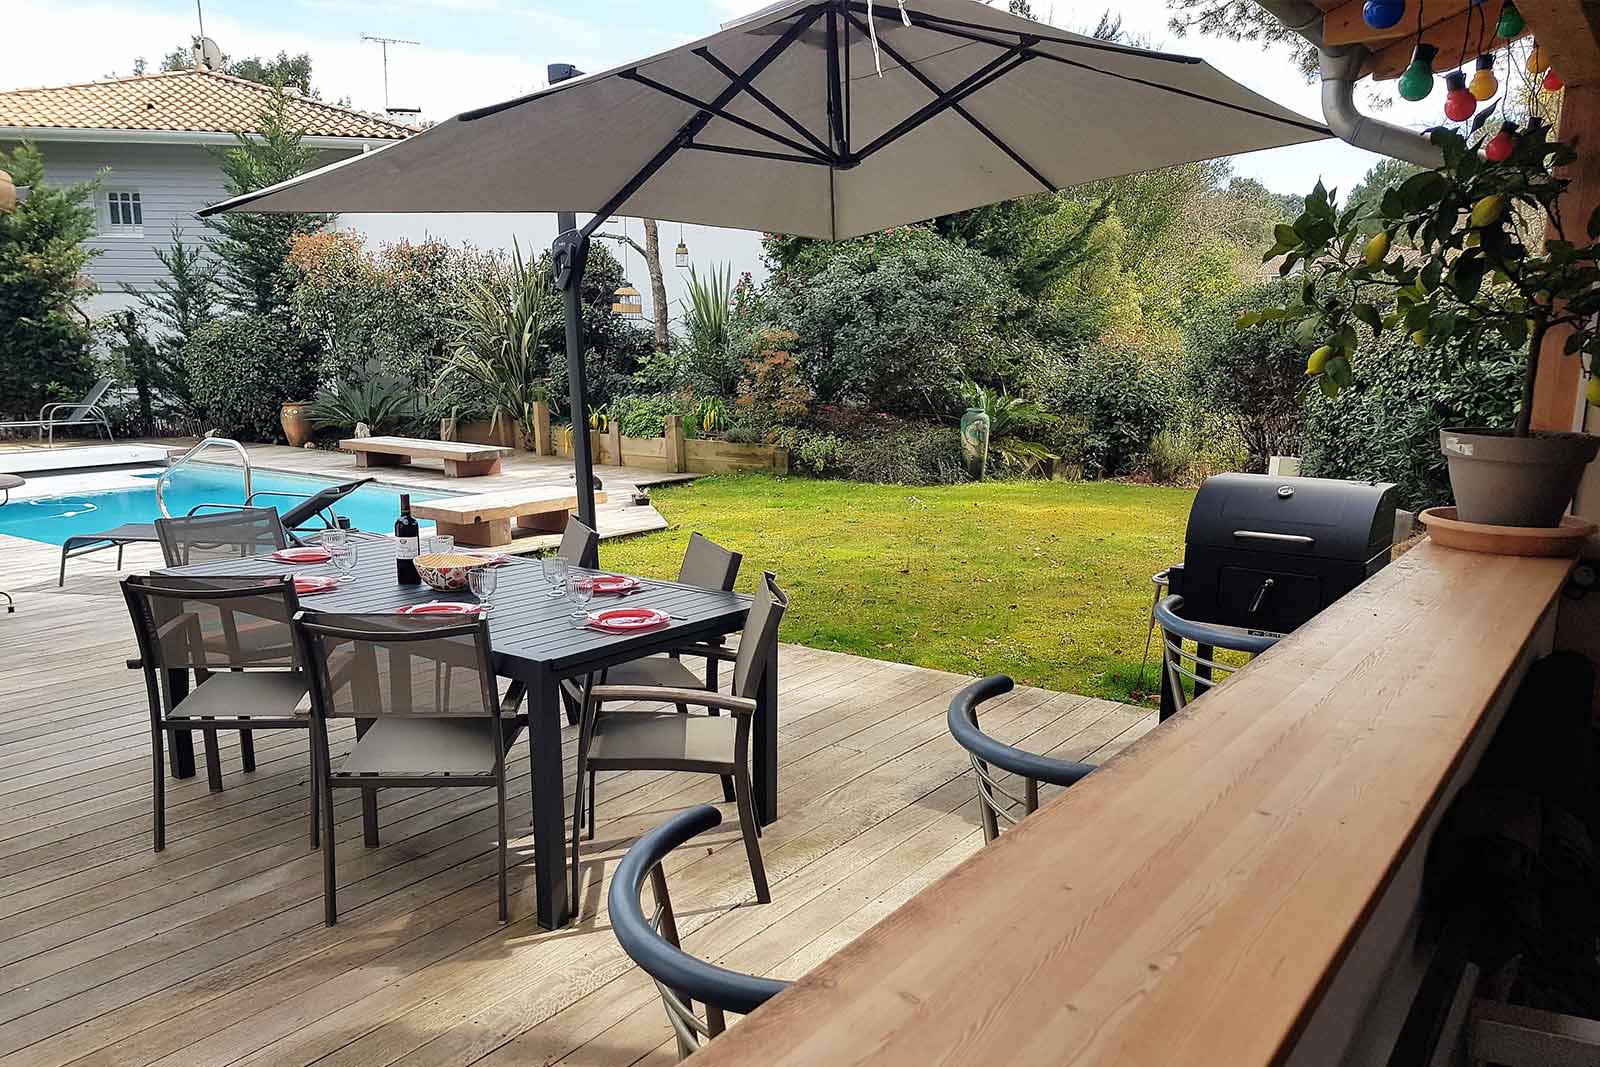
x: 1503, y: 480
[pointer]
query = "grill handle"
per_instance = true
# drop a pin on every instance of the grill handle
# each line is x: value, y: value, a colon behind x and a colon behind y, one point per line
x: 1283, y: 538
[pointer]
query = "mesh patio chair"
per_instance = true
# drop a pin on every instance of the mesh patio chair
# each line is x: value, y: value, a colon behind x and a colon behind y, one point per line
x: 234, y: 634
x: 670, y: 741
x: 580, y: 546
x: 85, y: 412
x: 425, y: 688
x: 220, y: 536
x: 652, y: 941
x: 996, y: 804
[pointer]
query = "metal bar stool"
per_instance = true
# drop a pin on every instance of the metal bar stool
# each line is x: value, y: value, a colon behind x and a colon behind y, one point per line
x: 1199, y: 667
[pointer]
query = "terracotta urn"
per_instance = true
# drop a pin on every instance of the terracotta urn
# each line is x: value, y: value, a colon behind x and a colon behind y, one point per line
x: 296, y: 423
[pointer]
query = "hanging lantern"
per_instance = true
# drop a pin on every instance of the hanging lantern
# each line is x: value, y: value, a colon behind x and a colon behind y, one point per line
x: 1510, y: 23
x: 1552, y: 81
x: 8, y: 194
x: 1499, y: 147
x: 682, y: 254
x: 629, y: 304
x: 1417, y: 82
x: 1459, y: 103
x: 1381, y: 14
x: 1538, y: 62
x: 1484, y: 84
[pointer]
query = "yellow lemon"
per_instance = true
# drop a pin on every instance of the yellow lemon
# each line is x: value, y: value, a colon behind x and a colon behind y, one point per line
x: 1419, y: 338
x: 1487, y: 212
x: 1473, y: 240
x: 1376, y: 249
x: 1593, y: 392
x: 1319, y: 359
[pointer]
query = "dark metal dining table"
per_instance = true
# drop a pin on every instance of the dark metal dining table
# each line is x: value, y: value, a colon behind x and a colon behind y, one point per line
x: 536, y: 644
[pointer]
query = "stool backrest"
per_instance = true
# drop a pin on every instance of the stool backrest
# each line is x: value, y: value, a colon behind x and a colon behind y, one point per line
x: 416, y: 666
x: 580, y: 546
x: 211, y: 623
x: 222, y: 535
x: 759, y: 640
x: 708, y: 565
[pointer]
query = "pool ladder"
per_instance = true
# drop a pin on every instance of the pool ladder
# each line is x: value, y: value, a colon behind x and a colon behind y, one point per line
x: 203, y: 444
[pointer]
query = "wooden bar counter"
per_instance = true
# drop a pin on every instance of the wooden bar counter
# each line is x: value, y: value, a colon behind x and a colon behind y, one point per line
x: 1240, y: 887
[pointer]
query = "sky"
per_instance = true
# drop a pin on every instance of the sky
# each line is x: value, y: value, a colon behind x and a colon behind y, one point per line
x: 475, y: 52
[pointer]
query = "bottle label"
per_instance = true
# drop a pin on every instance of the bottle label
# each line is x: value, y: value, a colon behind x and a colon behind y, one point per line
x: 406, y: 547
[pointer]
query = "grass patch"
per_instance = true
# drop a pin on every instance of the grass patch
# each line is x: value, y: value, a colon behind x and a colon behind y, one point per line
x: 1048, y: 582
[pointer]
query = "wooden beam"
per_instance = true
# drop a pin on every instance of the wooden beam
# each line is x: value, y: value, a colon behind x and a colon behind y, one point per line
x: 1446, y: 36
x: 1345, y: 24
x: 1570, y: 31
x: 1557, y: 404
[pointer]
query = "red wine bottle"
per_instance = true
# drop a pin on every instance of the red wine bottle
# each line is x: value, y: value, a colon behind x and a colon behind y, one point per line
x: 406, y: 541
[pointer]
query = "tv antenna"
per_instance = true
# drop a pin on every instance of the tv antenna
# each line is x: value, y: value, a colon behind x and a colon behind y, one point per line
x: 384, y: 43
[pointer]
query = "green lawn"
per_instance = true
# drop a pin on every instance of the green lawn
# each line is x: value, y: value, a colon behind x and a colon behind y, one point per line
x: 1048, y: 582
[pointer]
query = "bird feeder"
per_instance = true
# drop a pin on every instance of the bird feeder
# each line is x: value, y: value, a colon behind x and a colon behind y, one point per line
x: 629, y: 304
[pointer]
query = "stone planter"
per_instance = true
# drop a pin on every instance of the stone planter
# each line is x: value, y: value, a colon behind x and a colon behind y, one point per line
x: 1503, y: 480
x: 296, y: 423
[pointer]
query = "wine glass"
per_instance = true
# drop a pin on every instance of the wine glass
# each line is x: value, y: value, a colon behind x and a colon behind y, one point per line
x: 333, y: 536
x: 482, y: 582
x: 442, y: 544
x: 343, y: 557
x: 554, y: 569
x: 580, y: 590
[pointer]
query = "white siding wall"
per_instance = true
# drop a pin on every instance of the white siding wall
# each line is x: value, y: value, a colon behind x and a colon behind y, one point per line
x: 174, y: 181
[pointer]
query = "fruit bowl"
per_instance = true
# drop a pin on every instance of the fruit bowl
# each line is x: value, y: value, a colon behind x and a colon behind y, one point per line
x: 447, y: 572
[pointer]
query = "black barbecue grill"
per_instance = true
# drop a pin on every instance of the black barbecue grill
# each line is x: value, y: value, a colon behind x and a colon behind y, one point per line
x: 1263, y: 554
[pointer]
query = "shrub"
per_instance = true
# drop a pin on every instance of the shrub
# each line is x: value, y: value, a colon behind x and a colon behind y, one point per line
x: 385, y: 404
x: 1116, y: 399
x: 243, y: 369
x: 1173, y: 457
x: 773, y: 391
x: 884, y: 450
x: 45, y: 342
x: 1385, y: 425
x: 1254, y: 375
x: 644, y: 414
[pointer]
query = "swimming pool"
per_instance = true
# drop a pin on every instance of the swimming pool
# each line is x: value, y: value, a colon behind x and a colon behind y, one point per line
x: 131, y: 497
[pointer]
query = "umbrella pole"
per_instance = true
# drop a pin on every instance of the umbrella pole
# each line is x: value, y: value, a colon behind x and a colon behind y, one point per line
x: 571, y: 250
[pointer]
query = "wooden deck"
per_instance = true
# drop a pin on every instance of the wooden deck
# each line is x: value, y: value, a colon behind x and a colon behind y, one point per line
x: 214, y: 951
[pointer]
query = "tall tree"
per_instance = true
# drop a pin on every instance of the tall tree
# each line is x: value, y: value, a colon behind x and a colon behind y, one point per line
x: 251, y: 249
x: 1240, y: 20
x: 286, y: 70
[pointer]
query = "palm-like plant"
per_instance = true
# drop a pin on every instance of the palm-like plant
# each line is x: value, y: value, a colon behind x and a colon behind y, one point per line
x: 383, y: 403
x: 1010, y: 418
x: 708, y: 325
x: 496, y: 344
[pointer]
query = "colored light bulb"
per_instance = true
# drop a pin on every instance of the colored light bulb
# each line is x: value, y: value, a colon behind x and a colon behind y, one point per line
x: 1459, y: 103
x: 1417, y: 81
x: 1552, y: 81
x: 1381, y: 14
x: 1484, y: 84
x: 1538, y: 62
x: 1510, y: 22
x: 1498, y: 149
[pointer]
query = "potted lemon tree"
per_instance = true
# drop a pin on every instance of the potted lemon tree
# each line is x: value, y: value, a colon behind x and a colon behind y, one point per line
x: 1458, y: 258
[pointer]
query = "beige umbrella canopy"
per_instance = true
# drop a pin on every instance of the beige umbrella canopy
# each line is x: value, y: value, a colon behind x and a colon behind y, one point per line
x: 783, y: 122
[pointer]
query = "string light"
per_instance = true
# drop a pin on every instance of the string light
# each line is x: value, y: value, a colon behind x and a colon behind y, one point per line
x: 1484, y: 84
x: 1499, y: 147
x: 1382, y: 14
x: 1510, y: 22
x: 1538, y: 62
x: 1459, y: 103
x: 1552, y: 81
x: 1417, y: 81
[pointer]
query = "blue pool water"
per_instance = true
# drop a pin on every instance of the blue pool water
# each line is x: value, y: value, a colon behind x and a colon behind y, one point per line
x: 53, y: 519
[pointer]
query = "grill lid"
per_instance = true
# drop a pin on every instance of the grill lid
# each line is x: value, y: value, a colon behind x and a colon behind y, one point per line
x: 1326, y: 518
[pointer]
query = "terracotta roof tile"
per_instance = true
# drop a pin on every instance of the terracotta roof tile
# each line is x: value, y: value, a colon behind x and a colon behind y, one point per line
x: 203, y: 101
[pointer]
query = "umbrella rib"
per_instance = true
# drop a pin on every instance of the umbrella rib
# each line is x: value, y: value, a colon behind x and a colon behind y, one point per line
x: 938, y: 92
x: 756, y: 153
x: 762, y: 99
x: 1034, y: 52
x: 1090, y: 44
x: 721, y: 113
x: 687, y: 133
x: 990, y: 72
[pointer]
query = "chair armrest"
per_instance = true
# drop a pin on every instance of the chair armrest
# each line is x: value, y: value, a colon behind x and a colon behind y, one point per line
x: 668, y: 695
x: 709, y: 651
x: 44, y: 412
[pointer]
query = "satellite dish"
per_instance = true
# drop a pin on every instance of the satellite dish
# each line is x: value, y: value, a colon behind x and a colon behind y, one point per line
x: 208, y: 54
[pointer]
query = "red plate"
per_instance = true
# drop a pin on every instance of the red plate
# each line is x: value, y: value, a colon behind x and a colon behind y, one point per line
x: 613, y: 584
x: 308, y: 554
x: 440, y: 607
x: 627, y: 620
x: 309, y: 584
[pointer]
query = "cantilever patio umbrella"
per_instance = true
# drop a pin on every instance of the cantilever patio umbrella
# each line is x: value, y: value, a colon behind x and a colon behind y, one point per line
x: 824, y: 118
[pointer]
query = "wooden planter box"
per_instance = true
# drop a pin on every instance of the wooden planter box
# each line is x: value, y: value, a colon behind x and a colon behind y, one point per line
x: 506, y: 433
x: 676, y: 453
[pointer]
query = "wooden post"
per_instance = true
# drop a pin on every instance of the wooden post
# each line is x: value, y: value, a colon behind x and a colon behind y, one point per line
x: 1557, y: 396
x: 614, y: 441
x: 677, y: 447
x: 542, y: 443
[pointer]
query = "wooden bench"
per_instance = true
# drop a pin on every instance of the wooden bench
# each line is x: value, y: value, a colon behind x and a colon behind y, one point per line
x: 486, y: 519
x: 460, y: 460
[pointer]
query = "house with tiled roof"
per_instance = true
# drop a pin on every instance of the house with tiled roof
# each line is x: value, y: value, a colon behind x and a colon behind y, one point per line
x: 154, y: 136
